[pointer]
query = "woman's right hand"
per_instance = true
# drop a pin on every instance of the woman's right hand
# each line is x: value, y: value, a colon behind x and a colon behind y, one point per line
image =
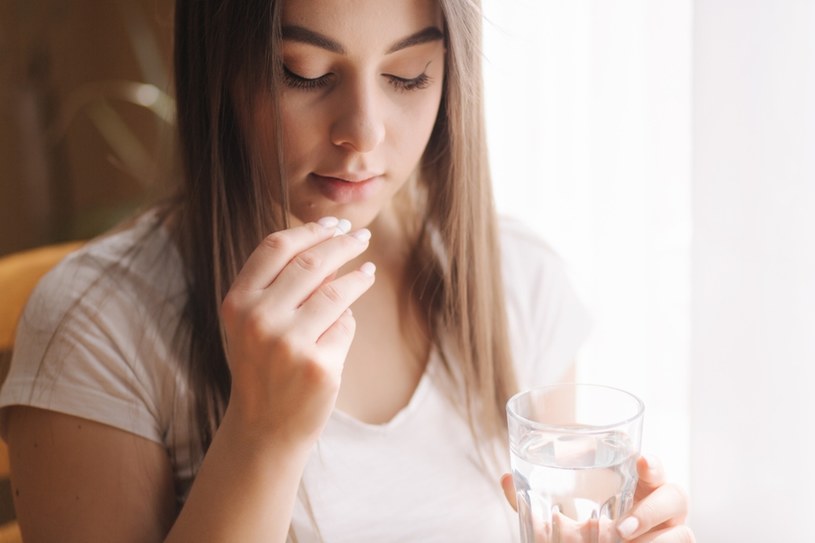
x: 289, y: 327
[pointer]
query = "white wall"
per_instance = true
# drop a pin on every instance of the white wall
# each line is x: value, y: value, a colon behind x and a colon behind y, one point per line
x: 616, y: 130
x: 589, y: 124
x: 753, y: 347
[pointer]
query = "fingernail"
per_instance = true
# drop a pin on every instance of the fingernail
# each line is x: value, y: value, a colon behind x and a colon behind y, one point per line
x: 363, y: 235
x: 369, y: 268
x: 343, y: 227
x: 652, y: 461
x: 328, y: 222
x: 628, y: 527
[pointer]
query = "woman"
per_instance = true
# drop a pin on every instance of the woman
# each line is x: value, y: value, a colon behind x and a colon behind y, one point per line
x: 192, y: 377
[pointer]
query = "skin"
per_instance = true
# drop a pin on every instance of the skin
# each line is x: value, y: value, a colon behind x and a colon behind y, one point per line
x: 367, y: 112
x: 291, y: 304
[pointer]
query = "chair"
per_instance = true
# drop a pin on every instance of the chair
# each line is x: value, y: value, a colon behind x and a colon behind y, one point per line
x: 19, y: 273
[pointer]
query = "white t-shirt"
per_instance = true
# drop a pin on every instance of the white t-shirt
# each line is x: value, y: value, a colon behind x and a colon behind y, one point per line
x: 99, y: 339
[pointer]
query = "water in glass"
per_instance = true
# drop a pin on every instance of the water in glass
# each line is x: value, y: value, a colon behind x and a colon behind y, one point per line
x: 574, y: 487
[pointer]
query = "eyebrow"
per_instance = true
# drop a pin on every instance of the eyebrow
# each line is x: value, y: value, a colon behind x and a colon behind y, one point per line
x: 431, y: 33
x: 304, y: 35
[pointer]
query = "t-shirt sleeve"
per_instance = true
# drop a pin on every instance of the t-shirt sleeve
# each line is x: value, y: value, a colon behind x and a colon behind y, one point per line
x: 80, y: 348
x: 548, y: 321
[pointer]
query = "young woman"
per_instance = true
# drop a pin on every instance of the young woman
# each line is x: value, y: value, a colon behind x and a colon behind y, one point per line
x: 192, y: 376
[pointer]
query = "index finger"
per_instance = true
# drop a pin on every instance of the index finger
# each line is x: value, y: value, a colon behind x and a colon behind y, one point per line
x: 277, y: 249
x: 665, y: 506
x: 508, y: 487
x: 651, y: 475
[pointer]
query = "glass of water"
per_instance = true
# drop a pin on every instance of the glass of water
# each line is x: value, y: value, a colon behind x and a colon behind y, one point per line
x: 574, y: 449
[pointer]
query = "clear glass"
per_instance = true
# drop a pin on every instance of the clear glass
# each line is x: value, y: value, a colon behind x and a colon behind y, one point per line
x: 574, y: 449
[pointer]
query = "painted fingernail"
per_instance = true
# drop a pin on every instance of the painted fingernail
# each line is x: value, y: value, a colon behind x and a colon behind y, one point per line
x: 369, y: 268
x: 343, y: 227
x: 328, y: 222
x: 651, y: 461
x: 363, y: 235
x: 628, y: 527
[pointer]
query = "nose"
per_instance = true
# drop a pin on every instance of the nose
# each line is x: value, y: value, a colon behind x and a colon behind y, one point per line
x: 359, y: 124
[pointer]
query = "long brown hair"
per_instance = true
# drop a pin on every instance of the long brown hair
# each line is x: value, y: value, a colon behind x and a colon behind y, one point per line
x: 225, y: 51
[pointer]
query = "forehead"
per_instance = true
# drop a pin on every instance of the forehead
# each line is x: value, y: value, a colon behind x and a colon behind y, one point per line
x: 363, y: 25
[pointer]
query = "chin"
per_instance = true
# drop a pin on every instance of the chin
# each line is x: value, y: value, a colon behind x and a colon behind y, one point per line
x: 359, y: 218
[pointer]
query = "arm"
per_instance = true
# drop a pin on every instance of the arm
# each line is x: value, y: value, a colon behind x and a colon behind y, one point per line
x: 93, y: 482
x: 244, y: 491
x: 75, y: 480
x: 288, y: 328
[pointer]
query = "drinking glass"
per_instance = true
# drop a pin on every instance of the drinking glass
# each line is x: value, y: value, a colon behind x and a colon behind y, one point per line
x: 573, y: 449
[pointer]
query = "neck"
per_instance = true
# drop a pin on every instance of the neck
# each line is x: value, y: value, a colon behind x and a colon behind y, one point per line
x: 390, y: 244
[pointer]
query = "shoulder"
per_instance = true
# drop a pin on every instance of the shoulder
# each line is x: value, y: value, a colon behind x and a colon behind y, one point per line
x: 527, y: 260
x: 137, y: 265
x: 121, y: 294
x: 519, y: 234
x: 143, y: 252
x: 100, y: 336
x: 547, y: 319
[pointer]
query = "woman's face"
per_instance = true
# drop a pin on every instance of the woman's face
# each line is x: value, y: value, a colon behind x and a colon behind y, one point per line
x: 361, y: 90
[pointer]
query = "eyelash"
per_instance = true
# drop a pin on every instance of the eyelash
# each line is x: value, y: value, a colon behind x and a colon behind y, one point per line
x: 297, y: 82
x: 294, y: 81
x: 421, y: 81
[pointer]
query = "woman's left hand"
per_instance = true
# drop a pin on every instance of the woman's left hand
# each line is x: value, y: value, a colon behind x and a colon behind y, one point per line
x: 659, y: 509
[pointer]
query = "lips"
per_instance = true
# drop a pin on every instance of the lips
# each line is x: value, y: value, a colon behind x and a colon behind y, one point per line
x: 347, y: 187
x: 349, y: 177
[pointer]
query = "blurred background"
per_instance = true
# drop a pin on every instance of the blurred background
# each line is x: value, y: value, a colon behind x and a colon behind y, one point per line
x: 86, y: 126
x: 86, y: 119
x: 665, y: 149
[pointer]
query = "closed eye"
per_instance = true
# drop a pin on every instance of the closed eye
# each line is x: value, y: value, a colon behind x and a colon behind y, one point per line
x: 402, y: 84
x: 421, y: 81
x: 295, y: 81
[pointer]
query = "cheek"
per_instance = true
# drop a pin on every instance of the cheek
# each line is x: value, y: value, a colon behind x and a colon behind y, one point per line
x: 408, y: 124
x: 418, y: 123
x: 302, y: 132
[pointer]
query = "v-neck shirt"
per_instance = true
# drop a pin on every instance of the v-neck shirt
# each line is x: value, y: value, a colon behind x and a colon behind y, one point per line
x: 98, y: 340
